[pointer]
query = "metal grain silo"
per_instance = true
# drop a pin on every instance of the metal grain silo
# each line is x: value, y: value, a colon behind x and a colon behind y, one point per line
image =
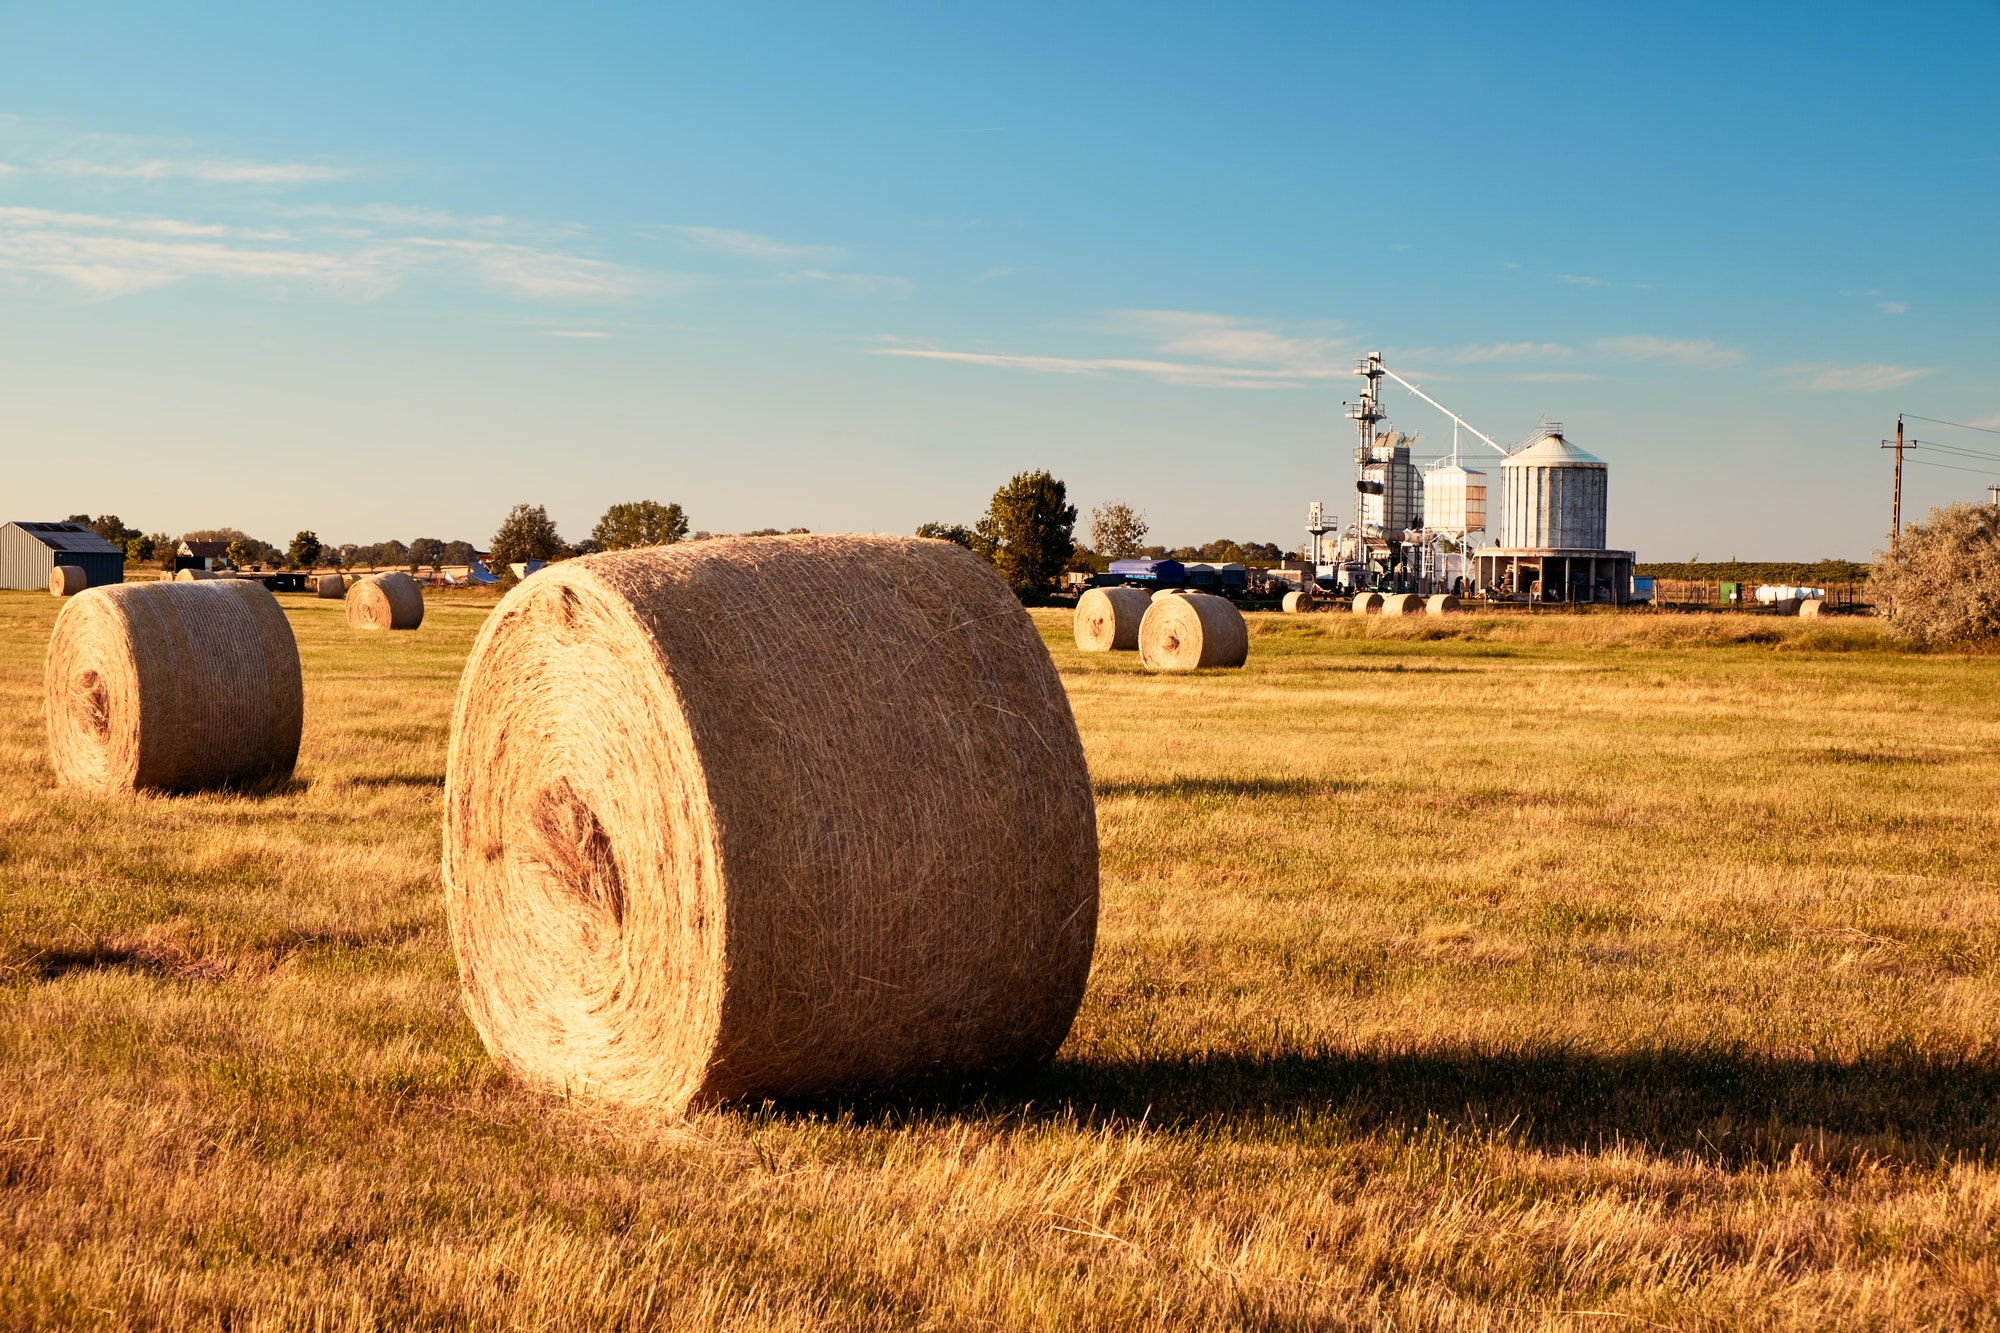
x: 1552, y: 497
x: 1455, y: 500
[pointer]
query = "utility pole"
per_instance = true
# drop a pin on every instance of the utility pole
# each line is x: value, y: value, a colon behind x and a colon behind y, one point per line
x: 1896, y: 499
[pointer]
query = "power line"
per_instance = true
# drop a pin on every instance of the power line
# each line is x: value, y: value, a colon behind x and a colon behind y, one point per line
x: 1956, y: 451
x: 1987, y: 430
x: 1976, y: 471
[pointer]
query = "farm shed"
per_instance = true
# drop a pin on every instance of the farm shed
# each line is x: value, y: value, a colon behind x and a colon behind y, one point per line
x: 201, y: 555
x: 30, y: 551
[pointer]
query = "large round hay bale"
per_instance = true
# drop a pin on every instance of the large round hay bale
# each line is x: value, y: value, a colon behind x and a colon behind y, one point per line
x: 766, y: 816
x: 1107, y: 619
x: 173, y: 687
x: 196, y: 576
x: 68, y: 580
x: 1401, y: 604
x: 1191, y: 632
x: 331, y: 587
x: 386, y: 601
x: 1441, y: 604
x: 1302, y: 600
x: 1173, y: 592
x: 1365, y: 602
x: 1812, y: 608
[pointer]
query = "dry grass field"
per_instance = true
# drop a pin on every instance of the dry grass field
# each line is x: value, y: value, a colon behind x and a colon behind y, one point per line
x: 1559, y: 972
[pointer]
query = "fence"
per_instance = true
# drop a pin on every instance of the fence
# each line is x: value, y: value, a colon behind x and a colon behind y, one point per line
x: 1708, y: 592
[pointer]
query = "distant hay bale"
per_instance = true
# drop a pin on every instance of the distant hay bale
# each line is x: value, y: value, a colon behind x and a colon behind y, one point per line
x: 1302, y: 600
x: 1441, y: 604
x: 196, y: 576
x: 68, y: 580
x: 1107, y: 619
x: 1401, y: 604
x: 331, y: 587
x: 766, y: 816
x: 173, y: 686
x: 1365, y: 602
x: 386, y: 601
x: 1190, y: 632
x: 1812, y: 608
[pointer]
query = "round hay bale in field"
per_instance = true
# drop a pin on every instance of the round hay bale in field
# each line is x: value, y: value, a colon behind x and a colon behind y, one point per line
x: 766, y: 816
x: 331, y: 587
x: 173, y: 687
x: 1812, y: 608
x: 1365, y: 602
x: 68, y: 580
x: 1441, y: 604
x: 1107, y: 619
x: 1401, y: 604
x: 196, y: 576
x: 1191, y: 632
x: 1299, y: 601
x: 386, y: 601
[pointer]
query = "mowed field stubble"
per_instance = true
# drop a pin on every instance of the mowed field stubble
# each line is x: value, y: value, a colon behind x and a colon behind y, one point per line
x: 1565, y: 972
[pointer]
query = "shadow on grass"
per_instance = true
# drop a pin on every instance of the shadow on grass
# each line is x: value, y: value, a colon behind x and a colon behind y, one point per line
x: 1726, y: 1108
x: 397, y: 780
x: 1184, y: 788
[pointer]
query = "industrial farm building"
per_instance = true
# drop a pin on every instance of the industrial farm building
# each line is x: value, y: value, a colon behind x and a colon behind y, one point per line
x: 30, y: 552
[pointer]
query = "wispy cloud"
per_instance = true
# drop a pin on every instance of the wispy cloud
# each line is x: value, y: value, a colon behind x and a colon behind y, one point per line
x: 1229, y: 340
x: 1579, y: 280
x: 1701, y: 353
x: 213, y: 172
x: 854, y: 282
x: 746, y: 244
x: 1824, y: 378
x: 1986, y: 423
x: 574, y: 333
x: 108, y: 256
x: 1891, y: 307
x: 1480, y: 353
x: 1169, y: 372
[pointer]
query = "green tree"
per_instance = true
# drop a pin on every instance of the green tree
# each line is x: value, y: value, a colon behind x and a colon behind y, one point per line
x: 240, y: 554
x: 640, y: 523
x: 1117, y: 531
x: 427, y: 551
x: 458, y: 553
x: 305, y: 551
x: 139, y: 549
x: 527, y: 533
x: 1942, y: 584
x: 957, y: 533
x: 1032, y: 528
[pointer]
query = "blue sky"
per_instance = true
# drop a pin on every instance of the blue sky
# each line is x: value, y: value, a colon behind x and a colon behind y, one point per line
x: 384, y: 270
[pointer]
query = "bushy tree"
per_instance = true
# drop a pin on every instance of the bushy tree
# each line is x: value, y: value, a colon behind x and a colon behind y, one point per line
x: 1942, y: 584
x: 1117, y: 531
x: 1032, y: 528
x: 305, y: 550
x: 640, y: 523
x: 240, y: 554
x: 426, y: 551
x: 139, y: 549
x: 528, y: 533
x: 956, y: 533
x: 458, y: 553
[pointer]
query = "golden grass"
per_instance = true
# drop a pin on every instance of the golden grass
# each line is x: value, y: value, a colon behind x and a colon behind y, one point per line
x: 1499, y: 972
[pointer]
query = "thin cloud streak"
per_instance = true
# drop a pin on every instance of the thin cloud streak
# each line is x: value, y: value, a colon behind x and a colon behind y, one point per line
x: 747, y: 244
x: 1852, y: 379
x: 1701, y: 353
x: 210, y: 172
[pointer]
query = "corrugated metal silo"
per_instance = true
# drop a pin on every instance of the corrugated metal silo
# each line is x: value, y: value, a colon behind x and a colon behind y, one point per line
x: 1455, y: 499
x: 1553, y: 497
x: 1392, y: 500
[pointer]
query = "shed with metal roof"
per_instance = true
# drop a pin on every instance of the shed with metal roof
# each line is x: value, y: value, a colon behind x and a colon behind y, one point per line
x: 29, y: 553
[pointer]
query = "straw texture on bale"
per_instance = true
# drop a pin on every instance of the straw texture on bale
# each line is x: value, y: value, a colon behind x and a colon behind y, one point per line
x: 1401, y: 604
x: 1173, y: 592
x: 385, y: 601
x: 331, y: 587
x: 1812, y: 608
x: 68, y: 580
x: 1191, y: 632
x: 766, y: 816
x: 1441, y: 604
x: 1299, y: 601
x: 173, y: 687
x: 1364, y: 602
x: 1107, y: 619
x: 196, y: 576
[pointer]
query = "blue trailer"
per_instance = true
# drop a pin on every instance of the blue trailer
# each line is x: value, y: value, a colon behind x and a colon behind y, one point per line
x: 1151, y: 573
